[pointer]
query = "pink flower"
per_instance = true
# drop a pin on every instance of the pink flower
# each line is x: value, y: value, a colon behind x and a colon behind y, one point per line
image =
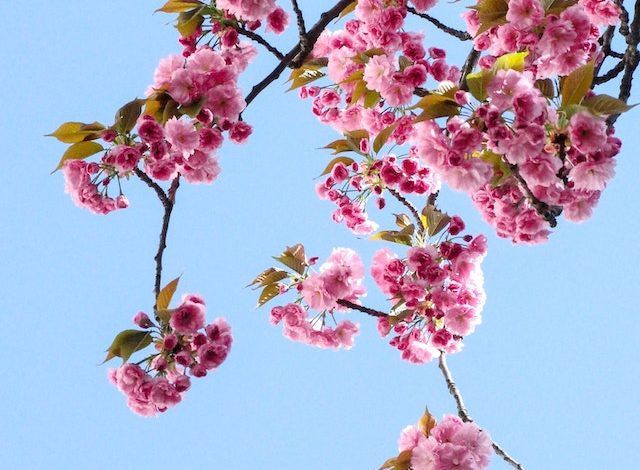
x: 587, y: 132
x: 277, y: 21
x: 211, y: 355
x: 188, y: 318
x: 182, y: 136
x: 525, y: 14
x: 592, y: 176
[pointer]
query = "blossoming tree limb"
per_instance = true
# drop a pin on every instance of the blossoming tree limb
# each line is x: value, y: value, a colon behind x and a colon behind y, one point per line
x: 525, y: 136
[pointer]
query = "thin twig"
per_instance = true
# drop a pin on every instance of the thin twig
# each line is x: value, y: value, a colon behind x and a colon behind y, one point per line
x: 362, y: 308
x: 456, y: 33
x: 464, y: 414
x: 548, y: 213
x: 168, y: 208
x: 414, y: 212
x: 260, y: 40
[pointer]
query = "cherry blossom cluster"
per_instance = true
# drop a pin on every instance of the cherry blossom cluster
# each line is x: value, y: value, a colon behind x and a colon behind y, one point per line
x: 349, y: 187
x: 203, y: 85
x: 339, y: 278
x: 185, y: 347
x: 450, y: 444
x: 254, y: 12
x: 558, y: 42
x: 437, y: 292
x: 523, y: 159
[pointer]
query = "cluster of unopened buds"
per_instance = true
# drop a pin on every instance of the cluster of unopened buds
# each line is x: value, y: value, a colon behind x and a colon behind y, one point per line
x: 446, y: 445
x: 185, y: 346
x: 436, y: 291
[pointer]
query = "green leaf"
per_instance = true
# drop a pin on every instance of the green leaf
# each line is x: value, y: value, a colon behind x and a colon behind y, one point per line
x: 605, y: 105
x: 170, y: 110
x: 382, y: 137
x: 269, y: 292
x: 478, y: 83
x: 345, y: 160
x: 401, y: 462
x: 404, y: 62
x: 166, y: 294
x: 193, y: 109
x: 371, y: 98
x: 555, y: 7
x: 546, y: 88
x: 269, y: 276
x: 189, y: 21
x: 293, y: 257
x: 348, y: 9
x: 501, y: 169
x: 126, y: 343
x: 435, y: 106
x: 392, y: 236
x: 127, y: 116
x: 177, y: 6
x: 305, y: 77
x: 73, y: 132
x: 341, y: 145
x: 358, y: 92
x: 491, y: 13
x: 402, y: 220
x: 576, y: 85
x: 79, y: 151
x: 435, y: 219
x: 512, y: 61
x: 427, y: 423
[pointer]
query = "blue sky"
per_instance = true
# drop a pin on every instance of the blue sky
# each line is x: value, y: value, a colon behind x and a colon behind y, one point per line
x: 552, y: 373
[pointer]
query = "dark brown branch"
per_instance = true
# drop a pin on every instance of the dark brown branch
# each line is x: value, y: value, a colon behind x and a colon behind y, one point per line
x: 464, y: 414
x: 362, y: 308
x: 302, y: 29
x: 168, y: 208
x: 456, y: 33
x: 548, y: 213
x: 168, y: 200
x: 296, y: 56
x: 611, y: 74
x: 467, y: 68
x: 631, y: 33
x: 414, y: 212
x: 260, y: 40
x: 152, y: 184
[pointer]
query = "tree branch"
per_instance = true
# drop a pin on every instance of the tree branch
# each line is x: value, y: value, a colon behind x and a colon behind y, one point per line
x: 260, y: 40
x: 296, y: 56
x: 302, y: 29
x: 362, y: 308
x: 469, y: 64
x: 464, y: 414
x: 411, y: 207
x: 456, y: 33
x: 548, y: 213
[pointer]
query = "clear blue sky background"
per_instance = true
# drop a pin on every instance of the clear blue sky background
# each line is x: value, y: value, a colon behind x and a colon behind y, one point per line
x: 552, y: 373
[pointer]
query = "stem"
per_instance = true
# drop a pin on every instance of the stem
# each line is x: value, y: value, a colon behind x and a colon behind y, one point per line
x: 462, y: 35
x: 362, y: 308
x: 464, y: 414
x: 411, y: 207
x: 260, y: 40
x: 168, y: 200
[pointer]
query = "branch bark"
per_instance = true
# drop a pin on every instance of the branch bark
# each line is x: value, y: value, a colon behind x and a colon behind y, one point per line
x: 464, y: 414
